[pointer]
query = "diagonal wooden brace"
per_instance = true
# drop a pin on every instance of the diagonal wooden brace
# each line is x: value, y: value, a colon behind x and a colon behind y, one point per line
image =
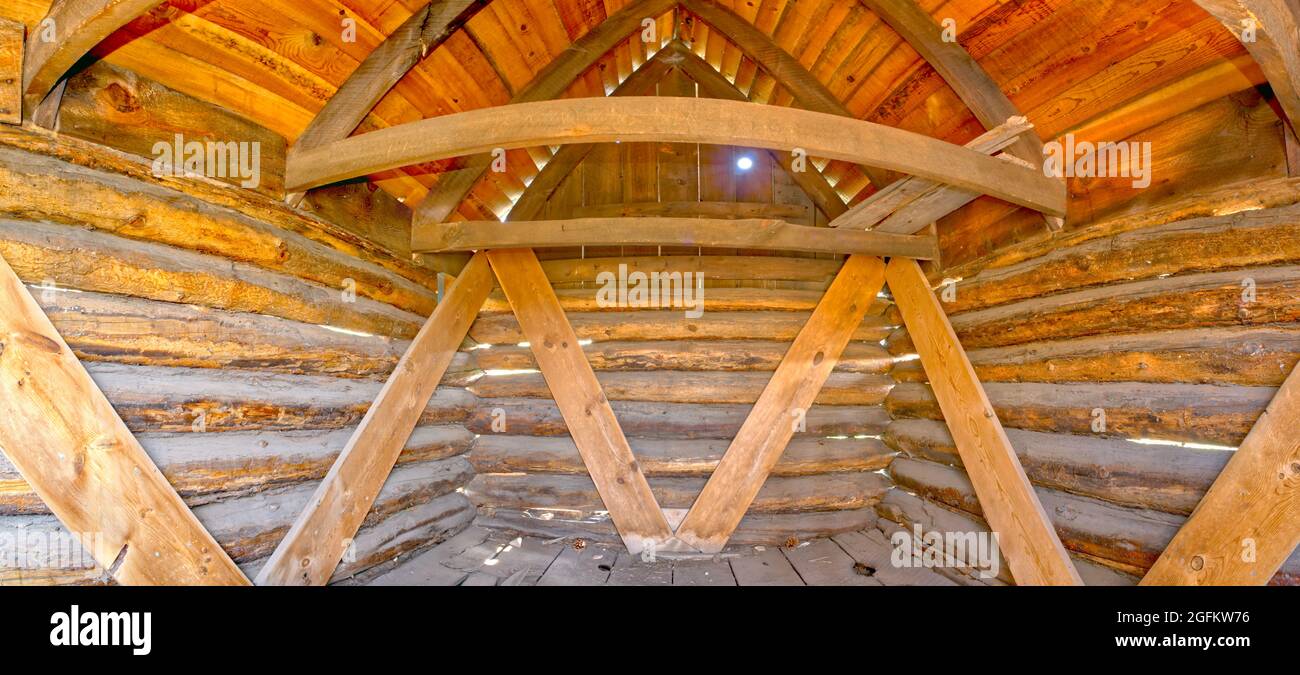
x: 69, y: 444
x: 1248, y: 523
x: 320, y: 536
x: 1034, y: 553
x: 771, y: 423
x: 604, y: 449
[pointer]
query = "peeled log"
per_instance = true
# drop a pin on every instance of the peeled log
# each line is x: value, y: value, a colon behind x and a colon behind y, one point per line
x: 693, y: 355
x: 250, y: 527
x: 207, y: 467
x: 70, y: 257
x: 540, y: 417
x: 1244, y: 239
x: 1174, y: 303
x: 188, y: 214
x: 1230, y: 355
x: 804, y: 456
x: 1196, y: 413
x: 171, y: 399
x: 1126, y: 538
x: 716, y: 299
x: 673, y: 325
x: 774, y: 529
x: 574, y: 494
x: 1161, y: 477
x: 689, y: 387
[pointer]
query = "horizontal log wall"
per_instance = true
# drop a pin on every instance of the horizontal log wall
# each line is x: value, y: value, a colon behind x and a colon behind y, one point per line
x: 1127, y: 360
x: 242, y: 341
x: 680, y: 388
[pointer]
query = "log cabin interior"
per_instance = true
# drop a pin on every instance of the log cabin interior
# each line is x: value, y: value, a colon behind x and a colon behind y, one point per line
x: 634, y: 292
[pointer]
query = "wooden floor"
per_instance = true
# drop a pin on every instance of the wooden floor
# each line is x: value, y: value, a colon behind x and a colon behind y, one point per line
x: 481, y: 557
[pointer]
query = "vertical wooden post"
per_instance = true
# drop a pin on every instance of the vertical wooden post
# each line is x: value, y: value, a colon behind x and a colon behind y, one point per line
x: 786, y: 398
x: 604, y: 449
x: 69, y: 444
x: 1034, y: 553
x: 320, y: 536
x: 1248, y: 523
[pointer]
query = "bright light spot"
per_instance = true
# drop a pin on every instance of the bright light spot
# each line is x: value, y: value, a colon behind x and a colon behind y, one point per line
x: 745, y: 163
x: 524, y: 344
x: 584, y: 342
x: 498, y: 372
x: 907, y: 357
x: 1181, y: 444
x: 345, y: 331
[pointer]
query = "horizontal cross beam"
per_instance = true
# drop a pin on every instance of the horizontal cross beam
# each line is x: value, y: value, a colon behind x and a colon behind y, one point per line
x: 776, y: 235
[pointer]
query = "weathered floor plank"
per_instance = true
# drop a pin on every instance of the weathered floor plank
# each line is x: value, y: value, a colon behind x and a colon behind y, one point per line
x: 766, y: 567
x: 702, y: 573
x: 823, y: 563
x: 586, y: 566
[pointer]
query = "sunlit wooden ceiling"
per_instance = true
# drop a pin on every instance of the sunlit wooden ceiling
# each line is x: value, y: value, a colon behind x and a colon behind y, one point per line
x: 1065, y: 63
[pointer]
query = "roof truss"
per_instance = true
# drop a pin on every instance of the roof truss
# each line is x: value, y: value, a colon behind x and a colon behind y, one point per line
x: 551, y: 83
x: 674, y: 120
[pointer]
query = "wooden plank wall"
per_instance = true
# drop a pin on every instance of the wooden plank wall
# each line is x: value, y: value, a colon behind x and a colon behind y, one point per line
x: 1175, y: 314
x: 241, y: 341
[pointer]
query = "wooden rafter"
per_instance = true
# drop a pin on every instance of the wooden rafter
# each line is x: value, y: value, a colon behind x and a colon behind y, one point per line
x: 320, y: 536
x: 529, y: 205
x: 714, y: 85
x: 1270, y: 31
x: 780, y: 64
x: 774, y: 235
x: 1031, y: 546
x: 1248, y: 523
x: 383, y: 68
x: 586, y: 411
x: 78, y: 26
x: 551, y: 83
x: 911, y: 204
x: 961, y: 72
x: 771, y: 424
x: 675, y: 120
x: 64, y: 437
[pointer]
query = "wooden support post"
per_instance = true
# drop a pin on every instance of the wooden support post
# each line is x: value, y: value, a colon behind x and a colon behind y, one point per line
x: 596, y: 433
x: 780, y: 408
x: 1034, y: 553
x: 321, y: 534
x: 69, y: 444
x: 1248, y: 523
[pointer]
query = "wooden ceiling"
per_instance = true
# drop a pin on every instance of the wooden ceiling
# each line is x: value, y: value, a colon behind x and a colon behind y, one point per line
x: 1067, y: 64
